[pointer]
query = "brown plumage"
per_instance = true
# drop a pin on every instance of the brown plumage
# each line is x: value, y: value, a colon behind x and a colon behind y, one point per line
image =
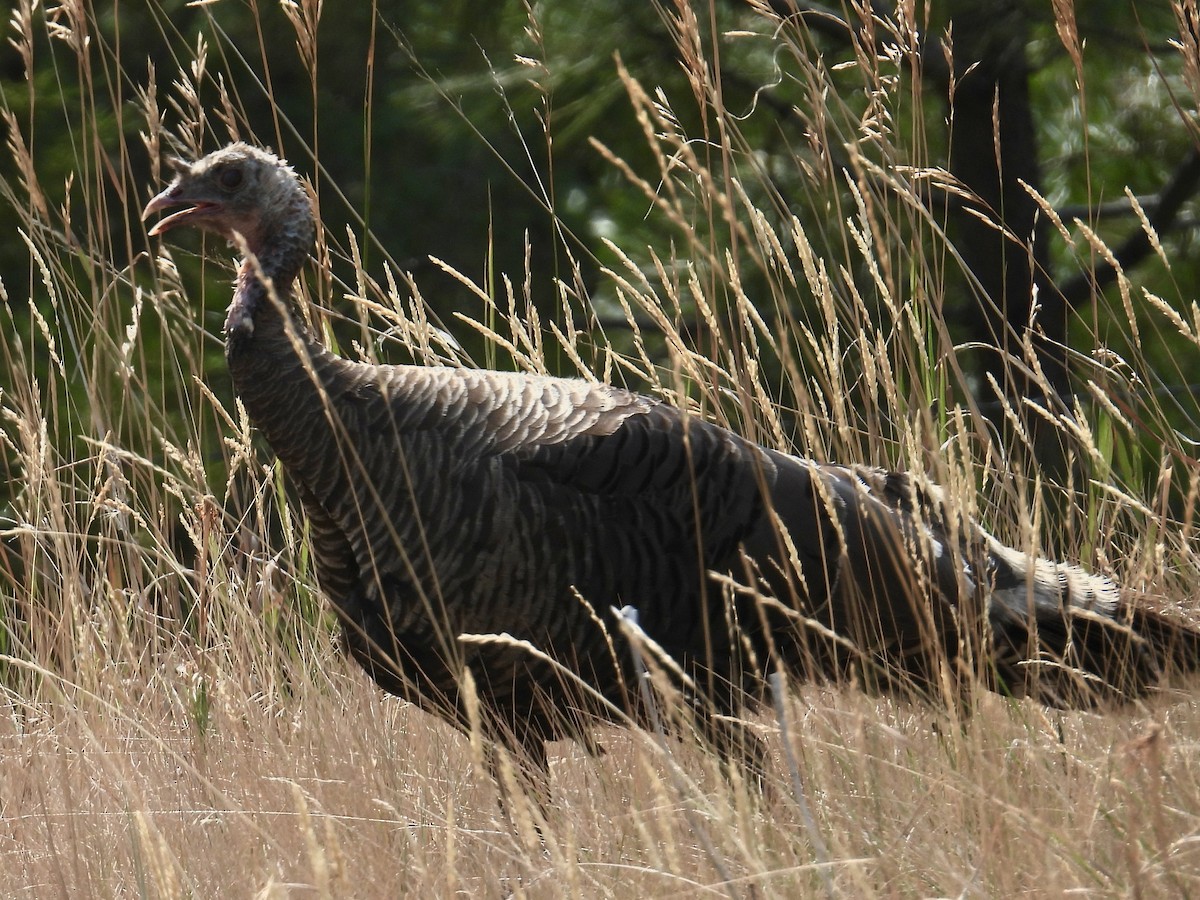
x: 447, y: 501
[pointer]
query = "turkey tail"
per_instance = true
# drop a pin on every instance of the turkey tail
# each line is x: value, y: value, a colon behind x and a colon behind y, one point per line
x: 1175, y: 644
x: 1122, y: 657
x: 1069, y: 639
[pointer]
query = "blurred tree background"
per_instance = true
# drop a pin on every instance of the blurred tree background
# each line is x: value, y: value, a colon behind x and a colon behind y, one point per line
x: 464, y: 131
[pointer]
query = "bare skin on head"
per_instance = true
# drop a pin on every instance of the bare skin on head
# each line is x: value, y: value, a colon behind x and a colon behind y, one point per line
x: 251, y: 198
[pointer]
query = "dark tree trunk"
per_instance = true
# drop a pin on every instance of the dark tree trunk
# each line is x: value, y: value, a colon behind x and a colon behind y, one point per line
x: 993, y: 148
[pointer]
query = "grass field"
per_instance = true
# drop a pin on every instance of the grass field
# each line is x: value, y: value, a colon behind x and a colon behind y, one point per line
x: 342, y: 792
x: 178, y: 721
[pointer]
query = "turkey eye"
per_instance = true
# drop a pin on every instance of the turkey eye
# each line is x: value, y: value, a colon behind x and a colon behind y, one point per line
x: 230, y: 178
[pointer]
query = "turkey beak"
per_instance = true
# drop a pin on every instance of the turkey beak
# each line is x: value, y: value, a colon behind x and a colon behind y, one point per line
x: 172, y: 196
x: 165, y: 200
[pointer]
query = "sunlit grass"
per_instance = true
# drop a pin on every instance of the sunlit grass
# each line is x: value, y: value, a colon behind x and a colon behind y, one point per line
x: 178, y: 720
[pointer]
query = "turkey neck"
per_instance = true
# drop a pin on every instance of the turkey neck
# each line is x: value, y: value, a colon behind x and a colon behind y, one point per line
x: 280, y: 372
x: 278, y: 247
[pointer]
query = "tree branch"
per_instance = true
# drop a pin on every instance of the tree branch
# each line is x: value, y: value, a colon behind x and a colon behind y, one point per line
x: 816, y: 16
x: 1113, y: 209
x: 1162, y: 214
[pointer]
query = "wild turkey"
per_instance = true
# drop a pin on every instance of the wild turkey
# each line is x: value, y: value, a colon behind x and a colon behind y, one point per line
x: 451, y: 501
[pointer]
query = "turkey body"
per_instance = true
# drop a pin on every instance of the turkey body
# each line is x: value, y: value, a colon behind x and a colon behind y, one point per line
x: 445, y: 502
x: 465, y: 502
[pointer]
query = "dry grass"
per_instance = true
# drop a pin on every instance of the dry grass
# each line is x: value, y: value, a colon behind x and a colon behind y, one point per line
x: 348, y: 793
x: 178, y: 723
